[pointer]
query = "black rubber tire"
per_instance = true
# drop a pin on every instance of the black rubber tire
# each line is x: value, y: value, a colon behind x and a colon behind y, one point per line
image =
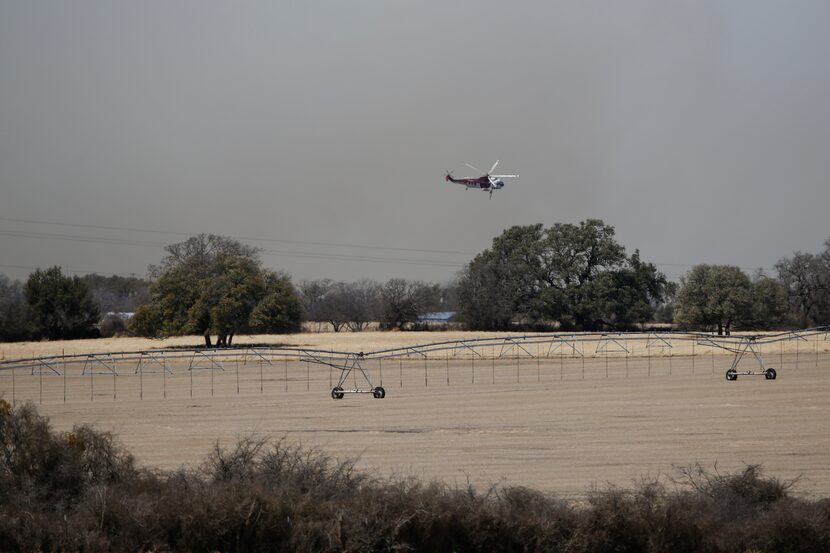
x: 379, y: 392
x: 770, y: 374
x: 731, y: 374
x: 337, y: 393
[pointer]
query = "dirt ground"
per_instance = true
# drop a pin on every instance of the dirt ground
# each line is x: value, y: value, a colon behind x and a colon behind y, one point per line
x: 563, y: 425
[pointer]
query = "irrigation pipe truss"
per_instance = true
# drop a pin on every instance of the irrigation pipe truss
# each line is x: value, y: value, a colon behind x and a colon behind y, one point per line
x: 516, y: 345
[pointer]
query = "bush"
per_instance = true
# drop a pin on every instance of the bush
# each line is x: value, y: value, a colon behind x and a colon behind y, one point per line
x: 148, y: 321
x: 112, y: 325
x: 62, y: 307
x: 80, y: 491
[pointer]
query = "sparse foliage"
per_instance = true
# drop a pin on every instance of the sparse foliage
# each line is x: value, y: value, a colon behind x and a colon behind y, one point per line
x: 665, y: 310
x: 117, y: 294
x: 313, y: 294
x: 403, y: 300
x: 362, y: 304
x: 806, y: 279
x: 15, y: 315
x: 341, y: 304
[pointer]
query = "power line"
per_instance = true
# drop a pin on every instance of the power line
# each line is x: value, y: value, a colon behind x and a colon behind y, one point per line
x: 76, y: 271
x: 248, y: 238
x: 276, y: 253
x: 363, y: 258
x: 72, y: 238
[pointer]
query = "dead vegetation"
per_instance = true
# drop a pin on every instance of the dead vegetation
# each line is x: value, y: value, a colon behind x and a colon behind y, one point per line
x: 80, y: 491
x: 368, y: 340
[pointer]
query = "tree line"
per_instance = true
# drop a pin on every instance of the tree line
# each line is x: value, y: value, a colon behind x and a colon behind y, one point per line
x: 580, y: 277
x: 396, y: 304
x: 723, y: 297
x: 51, y: 305
x: 567, y: 276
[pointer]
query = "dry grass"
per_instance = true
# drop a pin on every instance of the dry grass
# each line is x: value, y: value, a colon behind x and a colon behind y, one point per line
x: 354, y: 342
x: 80, y: 491
x: 526, y: 423
x: 552, y: 424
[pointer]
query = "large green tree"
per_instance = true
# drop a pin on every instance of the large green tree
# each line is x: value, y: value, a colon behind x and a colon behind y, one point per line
x: 770, y: 308
x: 714, y: 296
x: 61, y: 306
x: 622, y: 296
x: 503, y: 281
x: 577, y: 262
x: 723, y: 297
x: 279, y: 310
x: 213, y: 285
x: 226, y: 298
x: 578, y: 275
x: 485, y: 299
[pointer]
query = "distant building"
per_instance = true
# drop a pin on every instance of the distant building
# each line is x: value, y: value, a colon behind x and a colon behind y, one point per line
x: 123, y: 315
x: 437, y: 317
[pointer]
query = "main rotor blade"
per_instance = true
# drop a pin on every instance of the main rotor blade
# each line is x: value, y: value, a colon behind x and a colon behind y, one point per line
x: 474, y: 168
x: 505, y: 176
x: 493, y: 168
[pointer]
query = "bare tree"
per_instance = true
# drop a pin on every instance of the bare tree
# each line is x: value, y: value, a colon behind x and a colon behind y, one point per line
x: 313, y: 294
x: 806, y: 278
x: 341, y: 304
x: 15, y: 315
x: 403, y: 300
x: 362, y: 304
x: 201, y: 251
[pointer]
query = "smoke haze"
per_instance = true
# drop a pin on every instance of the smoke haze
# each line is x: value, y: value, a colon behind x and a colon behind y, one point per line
x: 700, y: 130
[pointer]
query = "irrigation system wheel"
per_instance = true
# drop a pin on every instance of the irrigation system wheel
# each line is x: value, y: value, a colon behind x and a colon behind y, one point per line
x: 379, y: 392
x: 731, y: 374
x: 770, y: 374
x: 337, y: 392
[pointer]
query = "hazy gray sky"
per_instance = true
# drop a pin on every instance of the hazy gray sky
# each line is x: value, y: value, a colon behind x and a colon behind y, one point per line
x: 700, y: 130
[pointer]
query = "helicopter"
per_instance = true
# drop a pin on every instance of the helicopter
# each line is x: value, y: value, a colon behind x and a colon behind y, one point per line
x: 486, y: 182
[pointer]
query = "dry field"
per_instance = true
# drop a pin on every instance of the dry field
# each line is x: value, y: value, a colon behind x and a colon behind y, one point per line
x: 337, y: 341
x: 562, y: 424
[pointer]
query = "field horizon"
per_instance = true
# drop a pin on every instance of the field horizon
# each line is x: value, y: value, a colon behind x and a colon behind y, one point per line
x: 355, y: 342
x: 563, y: 425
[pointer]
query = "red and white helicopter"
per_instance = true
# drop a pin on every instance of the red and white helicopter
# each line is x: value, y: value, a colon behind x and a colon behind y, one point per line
x: 487, y: 182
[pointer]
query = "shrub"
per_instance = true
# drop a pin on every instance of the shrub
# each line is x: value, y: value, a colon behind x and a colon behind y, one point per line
x: 112, y: 325
x: 61, y: 306
x: 80, y: 491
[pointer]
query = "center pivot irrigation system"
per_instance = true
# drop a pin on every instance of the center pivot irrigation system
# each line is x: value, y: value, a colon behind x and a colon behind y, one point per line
x: 349, y: 363
x: 749, y: 344
x: 346, y: 366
